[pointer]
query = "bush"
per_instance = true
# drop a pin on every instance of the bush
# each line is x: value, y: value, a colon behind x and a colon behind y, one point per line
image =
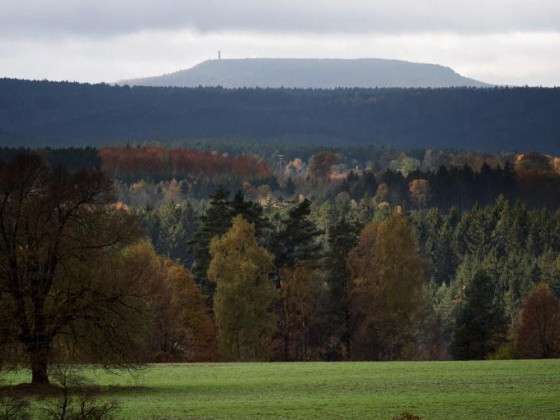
x: 504, y: 352
x: 14, y: 408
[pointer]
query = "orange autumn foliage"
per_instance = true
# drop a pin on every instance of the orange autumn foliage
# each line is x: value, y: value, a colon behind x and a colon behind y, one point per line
x: 162, y: 163
x: 182, y: 329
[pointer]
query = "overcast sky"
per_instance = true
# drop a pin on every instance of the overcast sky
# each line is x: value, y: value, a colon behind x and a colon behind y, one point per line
x: 497, y: 41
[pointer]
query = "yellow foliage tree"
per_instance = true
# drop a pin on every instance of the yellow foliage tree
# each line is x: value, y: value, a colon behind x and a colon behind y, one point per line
x: 388, y: 276
x: 244, y: 293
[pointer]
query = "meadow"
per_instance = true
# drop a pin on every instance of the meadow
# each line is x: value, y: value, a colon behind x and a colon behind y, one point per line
x: 521, y: 389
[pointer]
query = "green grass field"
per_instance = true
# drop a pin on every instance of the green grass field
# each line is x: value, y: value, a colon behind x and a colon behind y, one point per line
x: 433, y: 390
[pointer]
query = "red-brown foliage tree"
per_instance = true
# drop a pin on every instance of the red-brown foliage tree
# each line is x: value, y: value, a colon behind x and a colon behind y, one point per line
x: 162, y: 163
x: 538, y: 334
x: 320, y: 165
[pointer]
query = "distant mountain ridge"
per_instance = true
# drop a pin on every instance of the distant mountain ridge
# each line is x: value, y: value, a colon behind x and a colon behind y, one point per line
x: 325, y: 73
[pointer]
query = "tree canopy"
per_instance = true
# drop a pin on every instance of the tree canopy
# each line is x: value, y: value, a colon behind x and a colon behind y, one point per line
x: 66, y: 281
x: 388, y: 276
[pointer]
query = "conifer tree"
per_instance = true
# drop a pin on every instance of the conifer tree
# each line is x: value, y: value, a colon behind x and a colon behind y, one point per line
x: 215, y: 222
x: 296, y: 239
x: 342, y: 237
x: 295, y: 242
x: 171, y: 229
x: 251, y: 211
x: 480, y: 322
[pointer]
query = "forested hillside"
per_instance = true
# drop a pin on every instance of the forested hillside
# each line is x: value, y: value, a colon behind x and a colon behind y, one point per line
x: 44, y: 113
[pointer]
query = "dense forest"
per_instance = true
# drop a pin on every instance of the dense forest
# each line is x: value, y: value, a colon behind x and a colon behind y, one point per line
x: 41, y: 113
x: 189, y: 255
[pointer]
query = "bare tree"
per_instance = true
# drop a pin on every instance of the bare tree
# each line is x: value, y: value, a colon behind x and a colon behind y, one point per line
x: 65, y: 287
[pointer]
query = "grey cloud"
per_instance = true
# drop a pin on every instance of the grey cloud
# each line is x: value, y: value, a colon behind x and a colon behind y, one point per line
x: 28, y: 18
x: 518, y: 59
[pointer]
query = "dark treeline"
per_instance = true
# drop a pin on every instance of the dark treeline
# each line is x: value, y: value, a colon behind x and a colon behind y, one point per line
x: 457, y: 179
x: 461, y: 188
x: 72, y: 114
x: 72, y: 158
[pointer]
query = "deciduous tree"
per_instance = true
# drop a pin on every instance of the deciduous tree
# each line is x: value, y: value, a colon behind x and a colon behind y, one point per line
x: 538, y: 335
x: 388, y: 276
x: 320, y: 165
x: 61, y: 246
x: 300, y: 290
x: 241, y: 269
x: 181, y: 328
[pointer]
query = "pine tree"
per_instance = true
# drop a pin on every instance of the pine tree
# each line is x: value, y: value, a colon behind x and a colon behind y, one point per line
x: 480, y: 322
x: 342, y: 237
x: 296, y: 239
x: 295, y: 242
x: 549, y: 270
x: 444, y: 257
x: 472, y: 232
x: 177, y: 226
x: 252, y: 212
x: 215, y: 222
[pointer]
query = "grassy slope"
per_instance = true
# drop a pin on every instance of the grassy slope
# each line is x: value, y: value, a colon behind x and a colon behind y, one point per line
x: 434, y: 390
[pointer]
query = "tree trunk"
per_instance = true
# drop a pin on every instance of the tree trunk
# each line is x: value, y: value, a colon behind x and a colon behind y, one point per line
x: 285, y: 340
x: 347, y: 337
x: 39, y: 365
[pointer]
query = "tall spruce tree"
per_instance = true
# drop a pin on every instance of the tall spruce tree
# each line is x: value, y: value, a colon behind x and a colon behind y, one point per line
x: 342, y: 237
x: 296, y: 238
x: 171, y: 229
x: 294, y: 242
x: 215, y: 222
x: 480, y: 322
x: 252, y: 212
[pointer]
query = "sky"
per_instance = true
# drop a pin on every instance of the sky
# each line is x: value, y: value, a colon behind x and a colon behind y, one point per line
x: 515, y: 42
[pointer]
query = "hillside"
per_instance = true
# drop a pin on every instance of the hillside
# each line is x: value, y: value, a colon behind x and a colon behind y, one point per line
x: 39, y: 113
x: 310, y: 73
